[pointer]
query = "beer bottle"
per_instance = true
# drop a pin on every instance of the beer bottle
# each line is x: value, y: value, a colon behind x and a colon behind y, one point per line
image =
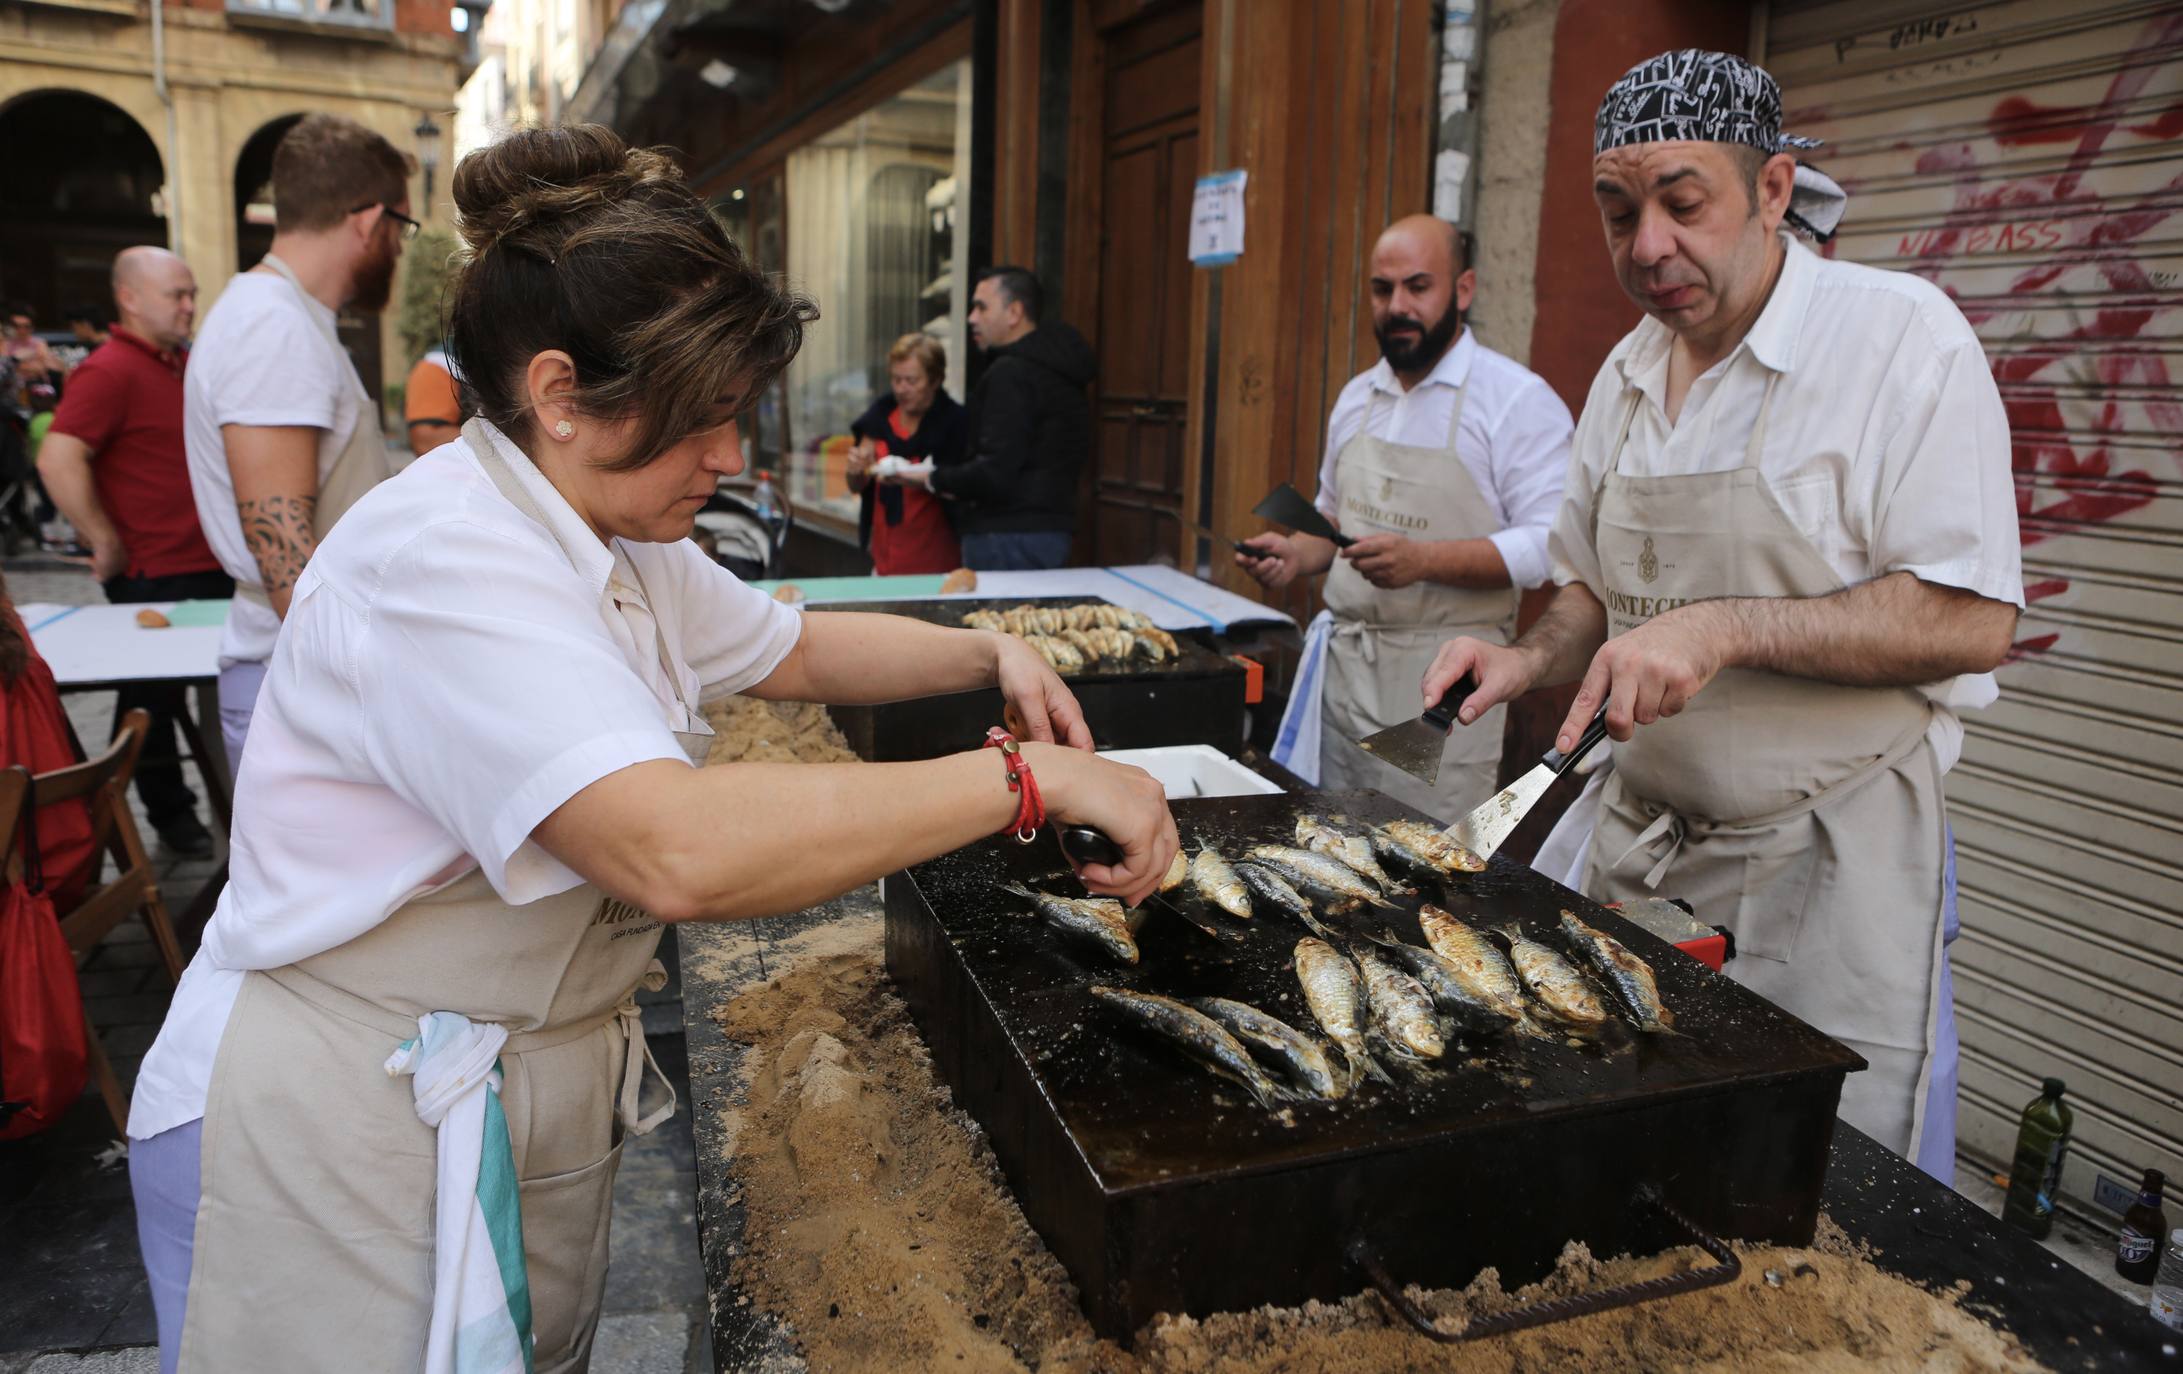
x: 2041, y: 1137
x: 2137, y: 1249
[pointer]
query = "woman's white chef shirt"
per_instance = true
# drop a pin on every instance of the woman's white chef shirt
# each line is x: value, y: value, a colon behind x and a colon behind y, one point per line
x: 444, y: 681
x: 1886, y: 441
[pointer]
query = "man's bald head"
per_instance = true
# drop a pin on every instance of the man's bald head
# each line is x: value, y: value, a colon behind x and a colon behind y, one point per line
x: 155, y: 295
x: 1421, y: 285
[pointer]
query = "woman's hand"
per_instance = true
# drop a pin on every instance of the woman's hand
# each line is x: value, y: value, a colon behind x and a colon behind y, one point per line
x: 1039, y: 706
x: 1125, y: 804
x: 860, y: 464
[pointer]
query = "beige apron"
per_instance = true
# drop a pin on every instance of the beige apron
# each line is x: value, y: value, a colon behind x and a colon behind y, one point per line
x: 1804, y: 816
x: 314, y: 1237
x: 1384, y: 640
x: 362, y: 463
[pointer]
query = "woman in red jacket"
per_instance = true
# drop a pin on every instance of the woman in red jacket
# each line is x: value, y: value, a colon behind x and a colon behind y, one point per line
x: 906, y: 528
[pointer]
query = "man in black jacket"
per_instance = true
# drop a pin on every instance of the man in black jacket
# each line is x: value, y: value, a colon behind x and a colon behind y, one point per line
x: 1030, y: 431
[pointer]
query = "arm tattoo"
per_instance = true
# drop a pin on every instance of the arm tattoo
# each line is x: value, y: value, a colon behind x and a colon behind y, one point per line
x: 278, y: 532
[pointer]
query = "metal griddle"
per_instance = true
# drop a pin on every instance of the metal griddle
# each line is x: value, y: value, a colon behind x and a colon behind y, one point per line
x: 1163, y: 1189
x: 1195, y: 698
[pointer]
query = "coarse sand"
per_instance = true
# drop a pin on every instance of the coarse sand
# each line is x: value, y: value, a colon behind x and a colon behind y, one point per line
x: 878, y: 1226
x: 747, y: 730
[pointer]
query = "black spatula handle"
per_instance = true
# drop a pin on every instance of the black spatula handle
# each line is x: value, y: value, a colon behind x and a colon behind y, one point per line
x: 1088, y: 846
x: 1595, y: 732
x: 1441, y: 714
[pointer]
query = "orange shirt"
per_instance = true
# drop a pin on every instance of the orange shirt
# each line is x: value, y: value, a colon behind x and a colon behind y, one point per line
x: 431, y: 394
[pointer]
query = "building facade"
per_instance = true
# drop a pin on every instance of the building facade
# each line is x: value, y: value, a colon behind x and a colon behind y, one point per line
x: 154, y: 121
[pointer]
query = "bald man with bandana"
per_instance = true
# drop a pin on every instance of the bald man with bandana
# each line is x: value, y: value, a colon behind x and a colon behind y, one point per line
x: 1788, y: 560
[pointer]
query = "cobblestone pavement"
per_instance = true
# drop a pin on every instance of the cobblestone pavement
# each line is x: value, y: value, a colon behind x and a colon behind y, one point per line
x: 73, y: 1299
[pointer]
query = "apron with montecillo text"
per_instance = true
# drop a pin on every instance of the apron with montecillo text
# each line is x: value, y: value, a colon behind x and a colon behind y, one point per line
x: 1383, y: 640
x: 1805, y: 816
x: 362, y: 463
x: 314, y: 1240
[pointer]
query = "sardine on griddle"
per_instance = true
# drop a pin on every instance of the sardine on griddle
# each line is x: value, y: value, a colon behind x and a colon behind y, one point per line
x: 1178, y: 873
x: 1197, y: 1035
x: 1299, y: 1056
x: 1321, y: 871
x: 1098, y: 919
x: 1475, y: 961
x: 1273, y: 890
x: 1217, y: 883
x: 1355, y: 851
x: 1334, y: 991
x: 1554, y: 981
x: 1627, y: 976
x: 1424, y: 847
x: 1451, y: 991
x: 1402, y: 1011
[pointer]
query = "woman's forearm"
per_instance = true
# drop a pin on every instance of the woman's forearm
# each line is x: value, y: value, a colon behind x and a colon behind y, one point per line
x: 848, y: 659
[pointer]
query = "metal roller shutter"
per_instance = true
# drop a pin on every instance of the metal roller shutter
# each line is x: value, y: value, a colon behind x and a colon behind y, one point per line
x: 2025, y: 156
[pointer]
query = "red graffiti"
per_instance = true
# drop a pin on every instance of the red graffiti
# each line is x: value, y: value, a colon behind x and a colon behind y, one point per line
x: 2064, y: 482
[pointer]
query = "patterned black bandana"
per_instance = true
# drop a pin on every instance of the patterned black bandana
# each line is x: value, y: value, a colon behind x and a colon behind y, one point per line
x: 1704, y: 97
x: 1715, y: 97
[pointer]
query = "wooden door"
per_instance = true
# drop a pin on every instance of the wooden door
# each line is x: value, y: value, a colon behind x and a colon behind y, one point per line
x: 1141, y: 319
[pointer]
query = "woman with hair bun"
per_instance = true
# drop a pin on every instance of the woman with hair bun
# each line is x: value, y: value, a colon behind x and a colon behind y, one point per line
x: 380, y: 1126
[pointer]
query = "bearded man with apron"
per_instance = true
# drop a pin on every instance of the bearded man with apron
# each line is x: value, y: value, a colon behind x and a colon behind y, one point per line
x: 1445, y: 463
x: 1788, y: 558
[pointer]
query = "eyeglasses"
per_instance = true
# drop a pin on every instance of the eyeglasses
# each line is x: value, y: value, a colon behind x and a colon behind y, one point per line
x: 410, y: 228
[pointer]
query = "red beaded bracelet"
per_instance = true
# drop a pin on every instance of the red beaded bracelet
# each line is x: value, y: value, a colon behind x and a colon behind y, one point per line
x: 1030, y: 808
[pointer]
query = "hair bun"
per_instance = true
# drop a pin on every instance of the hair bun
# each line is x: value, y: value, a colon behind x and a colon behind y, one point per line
x: 516, y: 189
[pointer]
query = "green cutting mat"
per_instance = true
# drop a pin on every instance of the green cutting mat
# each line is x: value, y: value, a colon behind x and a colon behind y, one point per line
x: 197, y: 613
x: 862, y: 588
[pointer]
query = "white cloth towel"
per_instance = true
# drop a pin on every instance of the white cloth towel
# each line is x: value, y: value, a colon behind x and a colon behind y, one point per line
x: 481, y: 1297
x: 1296, y: 747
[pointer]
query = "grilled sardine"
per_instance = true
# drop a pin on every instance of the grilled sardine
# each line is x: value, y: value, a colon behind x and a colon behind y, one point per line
x: 1320, y: 871
x: 1355, y: 851
x: 1197, y: 1035
x: 1554, y: 981
x: 1299, y: 1056
x: 1449, y: 989
x: 1217, y: 883
x: 1334, y: 991
x: 1422, y: 847
x: 1098, y: 919
x: 1627, y: 976
x: 1271, y: 888
x: 1402, y: 1011
x: 1177, y: 873
x: 1474, y: 961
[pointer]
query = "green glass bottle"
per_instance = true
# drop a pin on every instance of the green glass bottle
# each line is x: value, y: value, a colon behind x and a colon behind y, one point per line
x: 2036, y: 1175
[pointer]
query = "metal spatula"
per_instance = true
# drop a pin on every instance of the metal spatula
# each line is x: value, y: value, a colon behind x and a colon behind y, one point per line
x: 1486, y: 829
x: 1285, y: 505
x: 1415, y: 746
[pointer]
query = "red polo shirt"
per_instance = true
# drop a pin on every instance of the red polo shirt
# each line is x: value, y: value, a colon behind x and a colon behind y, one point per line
x: 125, y: 402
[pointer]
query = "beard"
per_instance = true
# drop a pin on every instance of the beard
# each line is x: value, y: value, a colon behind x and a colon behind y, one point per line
x: 373, y: 285
x: 1415, y: 352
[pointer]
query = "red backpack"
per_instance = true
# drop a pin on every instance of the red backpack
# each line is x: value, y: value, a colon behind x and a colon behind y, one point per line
x: 42, y: 1046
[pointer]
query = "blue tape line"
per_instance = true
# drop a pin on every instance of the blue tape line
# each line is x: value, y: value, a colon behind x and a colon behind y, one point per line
x: 1220, y: 627
x: 51, y: 618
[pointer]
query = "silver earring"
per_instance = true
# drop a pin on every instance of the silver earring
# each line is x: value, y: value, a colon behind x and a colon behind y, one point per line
x: 565, y: 429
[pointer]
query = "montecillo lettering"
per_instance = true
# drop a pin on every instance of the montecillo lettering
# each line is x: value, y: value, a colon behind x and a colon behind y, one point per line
x: 614, y: 911
x: 1643, y: 607
x: 1391, y: 519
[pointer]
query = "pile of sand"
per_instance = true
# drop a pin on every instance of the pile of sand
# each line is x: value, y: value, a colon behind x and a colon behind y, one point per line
x: 879, y: 1228
x: 747, y: 730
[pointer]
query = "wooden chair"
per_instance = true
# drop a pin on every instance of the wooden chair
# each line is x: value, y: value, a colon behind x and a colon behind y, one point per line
x: 103, y: 784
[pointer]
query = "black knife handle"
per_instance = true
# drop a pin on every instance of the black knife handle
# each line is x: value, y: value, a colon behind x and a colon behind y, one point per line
x: 1595, y: 732
x: 1441, y: 714
x: 1088, y: 846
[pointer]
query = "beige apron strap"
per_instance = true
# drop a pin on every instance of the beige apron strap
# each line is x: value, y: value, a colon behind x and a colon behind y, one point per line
x: 638, y: 1057
x: 1676, y: 828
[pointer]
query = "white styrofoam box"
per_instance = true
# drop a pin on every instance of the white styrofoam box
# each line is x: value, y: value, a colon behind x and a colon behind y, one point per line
x: 1195, y: 770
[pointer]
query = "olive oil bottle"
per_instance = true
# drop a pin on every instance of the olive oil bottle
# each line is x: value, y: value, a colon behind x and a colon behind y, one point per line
x: 2042, y: 1137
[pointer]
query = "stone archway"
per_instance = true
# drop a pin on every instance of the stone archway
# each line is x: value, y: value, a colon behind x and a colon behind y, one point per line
x: 84, y: 182
x: 254, y: 190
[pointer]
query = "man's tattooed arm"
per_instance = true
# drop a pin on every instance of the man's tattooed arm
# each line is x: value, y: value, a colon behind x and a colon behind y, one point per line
x: 277, y: 530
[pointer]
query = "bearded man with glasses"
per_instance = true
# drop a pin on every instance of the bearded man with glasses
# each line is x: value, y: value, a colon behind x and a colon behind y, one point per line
x: 282, y: 436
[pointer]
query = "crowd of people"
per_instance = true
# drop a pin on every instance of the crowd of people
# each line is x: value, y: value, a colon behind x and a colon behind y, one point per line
x: 471, y: 705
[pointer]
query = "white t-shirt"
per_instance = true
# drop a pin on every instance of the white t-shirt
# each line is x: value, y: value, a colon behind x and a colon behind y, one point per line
x: 1513, y: 439
x: 263, y: 356
x: 447, y: 679
x: 1886, y: 441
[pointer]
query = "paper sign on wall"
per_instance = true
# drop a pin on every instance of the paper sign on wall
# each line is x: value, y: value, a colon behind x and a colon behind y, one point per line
x: 1216, y: 219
